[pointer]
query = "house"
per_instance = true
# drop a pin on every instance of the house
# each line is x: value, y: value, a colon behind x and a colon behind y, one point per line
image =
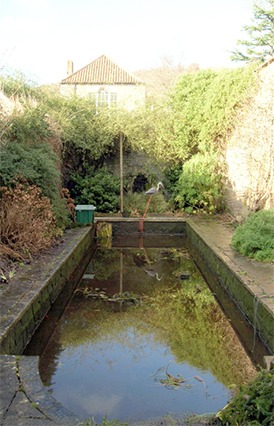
x: 106, y: 83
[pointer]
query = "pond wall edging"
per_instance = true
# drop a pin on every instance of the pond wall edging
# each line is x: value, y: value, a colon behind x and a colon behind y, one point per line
x: 151, y: 225
x: 243, y: 291
x: 34, y: 294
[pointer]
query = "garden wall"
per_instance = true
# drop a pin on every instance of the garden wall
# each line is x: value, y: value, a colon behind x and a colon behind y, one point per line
x: 249, y: 152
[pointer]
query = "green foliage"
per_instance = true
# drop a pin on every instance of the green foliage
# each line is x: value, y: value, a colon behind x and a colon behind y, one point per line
x: 224, y: 96
x: 151, y: 129
x: 197, y: 116
x: 259, y: 45
x: 199, y: 186
x: 136, y: 203
x: 253, y: 404
x: 205, y: 104
x: 35, y: 163
x: 189, y: 98
x: 195, y: 119
x: 88, y: 137
x: 28, y: 126
x: 172, y: 175
x: 80, y: 124
x: 38, y: 165
x: 254, y: 238
x: 101, y: 189
x: 17, y: 86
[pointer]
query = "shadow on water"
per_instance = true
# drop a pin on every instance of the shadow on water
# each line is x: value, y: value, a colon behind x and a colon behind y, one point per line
x: 140, y: 337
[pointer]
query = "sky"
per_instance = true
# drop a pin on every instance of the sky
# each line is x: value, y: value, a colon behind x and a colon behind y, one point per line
x: 38, y: 37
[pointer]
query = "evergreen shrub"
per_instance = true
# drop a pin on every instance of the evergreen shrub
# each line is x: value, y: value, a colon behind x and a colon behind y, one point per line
x: 28, y: 126
x: 254, y: 238
x: 101, y: 189
x: 199, y: 185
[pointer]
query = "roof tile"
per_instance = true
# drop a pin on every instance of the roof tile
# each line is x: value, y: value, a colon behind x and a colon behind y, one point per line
x: 101, y: 71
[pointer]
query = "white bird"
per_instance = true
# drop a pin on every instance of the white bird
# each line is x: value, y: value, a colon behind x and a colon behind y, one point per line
x: 153, y: 190
x: 150, y: 192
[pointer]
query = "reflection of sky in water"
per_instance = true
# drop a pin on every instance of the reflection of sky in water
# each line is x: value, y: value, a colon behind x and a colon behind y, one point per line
x: 117, y: 381
x: 101, y: 363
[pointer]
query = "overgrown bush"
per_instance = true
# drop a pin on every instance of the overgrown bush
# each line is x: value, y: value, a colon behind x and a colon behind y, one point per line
x: 189, y: 98
x: 199, y: 185
x: 28, y: 125
x: 27, y: 221
x: 17, y: 86
x: 254, y: 238
x: 101, y: 189
x: 205, y: 104
x: 253, y: 405
x: 81, y: 126
x: 38, y: 165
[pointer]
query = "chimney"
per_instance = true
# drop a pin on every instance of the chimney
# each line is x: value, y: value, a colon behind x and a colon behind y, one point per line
x: 69, y: 68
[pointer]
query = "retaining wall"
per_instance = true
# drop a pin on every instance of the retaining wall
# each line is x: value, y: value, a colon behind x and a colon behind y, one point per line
x: 27, y: 301
x: 219, y: 266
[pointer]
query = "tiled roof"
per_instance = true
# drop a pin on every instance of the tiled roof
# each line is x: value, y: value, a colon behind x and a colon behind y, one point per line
x: 101, y: 71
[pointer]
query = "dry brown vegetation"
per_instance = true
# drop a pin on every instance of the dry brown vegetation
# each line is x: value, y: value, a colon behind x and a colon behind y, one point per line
x: 27, y: 222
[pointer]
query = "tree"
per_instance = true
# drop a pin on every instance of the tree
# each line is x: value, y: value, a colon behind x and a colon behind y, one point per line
x: 260, y: 43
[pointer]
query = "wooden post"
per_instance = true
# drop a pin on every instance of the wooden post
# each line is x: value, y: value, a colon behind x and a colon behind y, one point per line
x: 121, y: 271
x: 141, y: 225
x: 121, y: 174
x: 142, y: 219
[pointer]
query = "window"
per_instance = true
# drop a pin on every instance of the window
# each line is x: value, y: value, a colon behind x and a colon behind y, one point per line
x: 104, y: 99
x: 113, y: 99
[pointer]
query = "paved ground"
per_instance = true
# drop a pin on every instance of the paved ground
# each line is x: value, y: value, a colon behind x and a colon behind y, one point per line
x: 259, y: 276
x: 23, y: 399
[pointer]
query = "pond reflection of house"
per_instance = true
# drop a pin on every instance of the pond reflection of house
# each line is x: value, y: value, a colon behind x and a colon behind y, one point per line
x: 106, y: 83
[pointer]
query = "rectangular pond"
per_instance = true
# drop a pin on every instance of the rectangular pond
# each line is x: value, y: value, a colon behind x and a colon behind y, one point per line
x: 141, y: 337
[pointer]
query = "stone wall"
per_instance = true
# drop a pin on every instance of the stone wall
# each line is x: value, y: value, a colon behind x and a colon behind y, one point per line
x: 135, y: 163
x: 249, y: 152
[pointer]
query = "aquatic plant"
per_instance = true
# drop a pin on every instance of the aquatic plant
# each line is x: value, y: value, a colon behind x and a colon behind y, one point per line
x: 253, y: 404
x: 99, y: 294
x: 104, y: 234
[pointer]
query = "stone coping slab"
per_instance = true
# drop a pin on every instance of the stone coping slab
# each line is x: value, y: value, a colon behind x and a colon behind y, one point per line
x: 23, y: 398
x: 249, y: 283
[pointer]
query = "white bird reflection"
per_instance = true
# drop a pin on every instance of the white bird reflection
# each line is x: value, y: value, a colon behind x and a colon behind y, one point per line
x: 153, y: 273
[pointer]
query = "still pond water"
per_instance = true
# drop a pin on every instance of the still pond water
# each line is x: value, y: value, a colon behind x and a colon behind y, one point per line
x: 142, y: 337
